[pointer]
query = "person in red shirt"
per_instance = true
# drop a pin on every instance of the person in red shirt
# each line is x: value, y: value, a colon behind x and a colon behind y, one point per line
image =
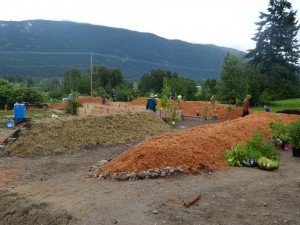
x: 246, y: 103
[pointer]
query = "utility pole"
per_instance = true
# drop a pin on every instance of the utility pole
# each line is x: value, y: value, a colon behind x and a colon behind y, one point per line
x: 91, y: 74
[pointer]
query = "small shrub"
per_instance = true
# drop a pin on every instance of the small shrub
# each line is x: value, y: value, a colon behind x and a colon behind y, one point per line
x: 253, y: 149
x: 279, y: 132
x: 235, y: 156
x: 238, y: 102
x: 294, y: 133
x: 71, y: 107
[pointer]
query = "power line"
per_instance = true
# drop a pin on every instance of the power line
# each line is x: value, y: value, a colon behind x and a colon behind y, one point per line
x: 44, y: 66
x: 122, y: 59
x: 43, y: 53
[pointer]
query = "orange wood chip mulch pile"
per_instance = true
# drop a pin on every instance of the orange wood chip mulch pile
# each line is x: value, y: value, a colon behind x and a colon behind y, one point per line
x: 192, y: 108
x: 199, y: 146
x: 82, y: 99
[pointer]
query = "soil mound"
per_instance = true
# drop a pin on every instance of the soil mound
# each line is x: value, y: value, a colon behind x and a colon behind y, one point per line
x: 192, y: 149
x: 48, y: 136
x: 17, y: 209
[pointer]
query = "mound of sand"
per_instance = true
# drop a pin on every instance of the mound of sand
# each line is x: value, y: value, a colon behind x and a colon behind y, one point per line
x: 191, y: 149
x: 66, y: 133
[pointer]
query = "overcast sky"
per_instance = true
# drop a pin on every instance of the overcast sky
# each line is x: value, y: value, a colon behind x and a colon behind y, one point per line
x: 227, y: 23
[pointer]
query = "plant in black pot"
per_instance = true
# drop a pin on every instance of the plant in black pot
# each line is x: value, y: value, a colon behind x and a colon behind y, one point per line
x: 294, y: 136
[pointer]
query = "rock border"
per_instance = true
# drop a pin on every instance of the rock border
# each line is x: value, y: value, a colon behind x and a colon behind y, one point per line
x: 131, y: 176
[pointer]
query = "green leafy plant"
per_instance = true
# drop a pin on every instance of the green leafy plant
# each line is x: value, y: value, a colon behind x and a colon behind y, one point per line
x: 174, y: 117
x: 229, y: 109
x: 249, y: 152
x: 238, y: 102
x: 294, y: 133
x: 71, y: 107
x: 205, y: 114
x: 260, y: 147
x: 266, y: 163
x: 235, y: 156
x: 165, y: 103
x: 279, y: 132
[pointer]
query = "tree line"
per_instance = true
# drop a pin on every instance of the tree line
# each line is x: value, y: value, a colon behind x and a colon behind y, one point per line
x: 268, y: 72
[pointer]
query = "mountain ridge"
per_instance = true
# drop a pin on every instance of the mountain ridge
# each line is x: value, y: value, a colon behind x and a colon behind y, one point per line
x: 48, y: 48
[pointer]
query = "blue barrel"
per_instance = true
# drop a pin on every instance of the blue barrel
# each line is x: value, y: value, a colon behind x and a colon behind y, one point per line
x: 19, y: 111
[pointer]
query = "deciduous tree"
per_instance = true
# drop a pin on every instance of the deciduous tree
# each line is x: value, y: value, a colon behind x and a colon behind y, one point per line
x: 233, y: 83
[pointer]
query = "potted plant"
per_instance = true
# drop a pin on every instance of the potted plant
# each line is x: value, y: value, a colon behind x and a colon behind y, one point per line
x: 278, y: 133
x: 294, y: 136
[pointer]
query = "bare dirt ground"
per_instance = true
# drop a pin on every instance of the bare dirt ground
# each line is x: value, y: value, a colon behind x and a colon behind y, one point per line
x: 55, y: 189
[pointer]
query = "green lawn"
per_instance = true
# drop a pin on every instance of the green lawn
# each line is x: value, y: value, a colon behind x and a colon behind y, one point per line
x: 281, y: 105
x: 34, y: 114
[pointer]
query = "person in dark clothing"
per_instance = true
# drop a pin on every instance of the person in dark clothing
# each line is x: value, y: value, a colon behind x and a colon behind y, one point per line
x: 246, y: 104
x: 113, y: 95
x: 151, y: 103
x: 267, y: 109
x: 103, y: 99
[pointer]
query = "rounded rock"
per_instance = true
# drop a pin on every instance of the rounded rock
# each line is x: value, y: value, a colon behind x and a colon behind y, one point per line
x: 105, y: 174
x: 122, y: 176
x: 154, y: 175
x: 163, y: 174
x: 142, y: 174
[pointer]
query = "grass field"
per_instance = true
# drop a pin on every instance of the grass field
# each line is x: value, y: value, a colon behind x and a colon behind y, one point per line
x: 34, y: 114
x: 281, y: 105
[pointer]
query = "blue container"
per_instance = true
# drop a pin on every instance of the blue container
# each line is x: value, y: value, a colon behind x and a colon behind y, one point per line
x: 64, y: 99
x: 9, y: 123
x: 19, y: 111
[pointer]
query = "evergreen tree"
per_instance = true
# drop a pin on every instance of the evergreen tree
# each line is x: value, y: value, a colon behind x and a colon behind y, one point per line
x: 254, y: 83
x: 277, y: 49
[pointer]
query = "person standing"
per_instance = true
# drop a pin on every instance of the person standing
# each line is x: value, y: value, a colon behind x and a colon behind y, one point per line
x: 151, y: 103
x: 246, y: 104
x: 113, y: 95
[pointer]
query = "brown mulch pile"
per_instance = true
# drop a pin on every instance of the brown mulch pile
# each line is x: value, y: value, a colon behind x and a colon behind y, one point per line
x: 82, y: 99
x: 48, y: 136
x: 192, y: 108
x: 190, y: 149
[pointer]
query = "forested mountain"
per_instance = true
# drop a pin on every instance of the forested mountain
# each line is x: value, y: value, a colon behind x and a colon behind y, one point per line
x: 49, y: 48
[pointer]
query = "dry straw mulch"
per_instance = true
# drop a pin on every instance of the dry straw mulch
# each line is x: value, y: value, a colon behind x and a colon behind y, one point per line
x: 66, y: 133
